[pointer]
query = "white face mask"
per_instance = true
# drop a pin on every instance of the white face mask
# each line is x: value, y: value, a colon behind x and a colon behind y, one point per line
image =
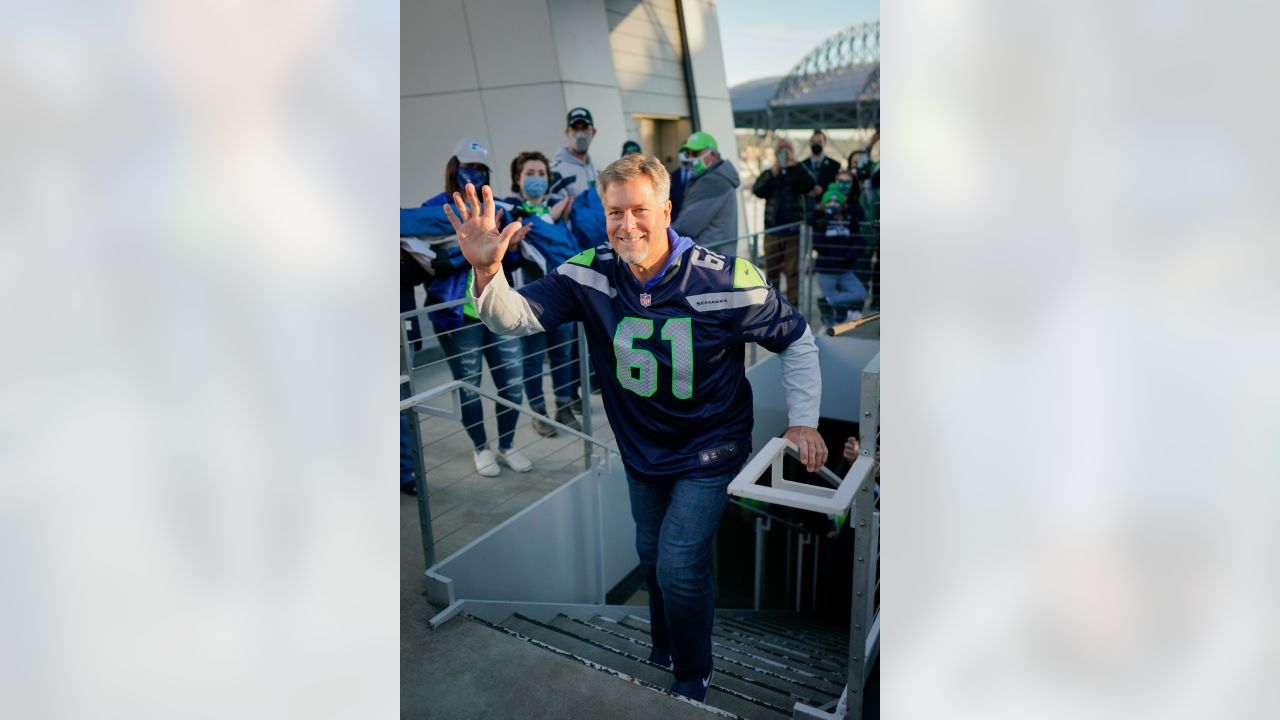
x: 581, y: 141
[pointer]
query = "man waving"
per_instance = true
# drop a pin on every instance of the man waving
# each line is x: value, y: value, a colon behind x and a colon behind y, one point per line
x: 667, y: 322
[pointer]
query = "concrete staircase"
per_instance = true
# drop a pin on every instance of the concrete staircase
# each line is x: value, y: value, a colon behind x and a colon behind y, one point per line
x: 764, y: 662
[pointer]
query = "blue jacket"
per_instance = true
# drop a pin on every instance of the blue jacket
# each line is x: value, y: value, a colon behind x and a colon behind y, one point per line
x: 452, y: 271
x: 586, y: 220
x: 552, y: 241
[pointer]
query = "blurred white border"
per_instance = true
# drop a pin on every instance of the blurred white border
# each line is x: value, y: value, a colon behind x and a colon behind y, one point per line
x: 197, y: 284
x: 1079, y: 360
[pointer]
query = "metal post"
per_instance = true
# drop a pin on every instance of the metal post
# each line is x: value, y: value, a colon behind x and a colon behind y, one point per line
x: 755, y: 260
x: 585, y: 392
x: 420, y: 482
x: 860, y: 519
x: 813, y: 597
x: 406, y: 356
x: 787, y: 572
x: 805, y: 292
x: 598, y: 479
x: 762, y: 525
x: 419, y: 464
x: 804, y: 540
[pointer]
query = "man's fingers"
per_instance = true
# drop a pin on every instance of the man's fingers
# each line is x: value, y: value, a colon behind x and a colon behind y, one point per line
x: 510, y: 230
x: 462, y: 207
x: 453, y: 220
x: 488, y: 200
x: 473, y: 200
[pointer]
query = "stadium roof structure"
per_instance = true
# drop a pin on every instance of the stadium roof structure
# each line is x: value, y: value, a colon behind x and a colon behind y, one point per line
x: 837, y: 85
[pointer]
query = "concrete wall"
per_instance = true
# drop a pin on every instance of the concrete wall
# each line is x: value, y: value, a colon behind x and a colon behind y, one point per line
x: 709, y: 82
x: 507, y: 71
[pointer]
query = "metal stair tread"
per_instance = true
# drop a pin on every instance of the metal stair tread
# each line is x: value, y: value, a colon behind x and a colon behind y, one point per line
x: 826, y: 634
x: 808, y: 660
x: 783, y: 634
x: 796, y: 646
x: 766, y: 670
x: 726, y: 676
x: 741, y: 643
x: 718, y: 696
x: 776, y: 690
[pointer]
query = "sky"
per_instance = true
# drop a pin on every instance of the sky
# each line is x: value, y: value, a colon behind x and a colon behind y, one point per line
x: 759, y: 41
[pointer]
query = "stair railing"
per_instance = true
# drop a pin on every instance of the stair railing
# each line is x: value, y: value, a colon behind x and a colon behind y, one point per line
x: 855, y: 493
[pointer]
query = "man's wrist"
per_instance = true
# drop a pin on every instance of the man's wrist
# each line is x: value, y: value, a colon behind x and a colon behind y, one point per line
x: 484, y: 275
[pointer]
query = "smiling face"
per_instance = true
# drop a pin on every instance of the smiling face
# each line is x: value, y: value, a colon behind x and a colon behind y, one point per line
x: 637, y: 221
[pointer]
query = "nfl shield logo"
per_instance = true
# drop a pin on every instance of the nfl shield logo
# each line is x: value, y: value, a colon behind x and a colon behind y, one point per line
x: 645, y: 299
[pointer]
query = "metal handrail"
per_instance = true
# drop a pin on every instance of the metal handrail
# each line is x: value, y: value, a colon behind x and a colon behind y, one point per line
x: 454, y: 385
x: 773, y: 518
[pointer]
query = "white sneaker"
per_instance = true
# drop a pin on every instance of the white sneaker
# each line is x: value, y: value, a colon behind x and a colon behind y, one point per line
x: 486, y: 465
x: 515, y: 460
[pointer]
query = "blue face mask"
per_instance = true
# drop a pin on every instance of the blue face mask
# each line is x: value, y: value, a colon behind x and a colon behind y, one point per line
x: 474, y: 176
x: 534, y: 186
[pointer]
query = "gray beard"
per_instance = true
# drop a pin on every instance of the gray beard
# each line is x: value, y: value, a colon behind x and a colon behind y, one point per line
x: 633, y: 259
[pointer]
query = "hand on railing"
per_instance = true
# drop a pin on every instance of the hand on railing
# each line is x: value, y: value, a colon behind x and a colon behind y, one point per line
x: 813, y: 451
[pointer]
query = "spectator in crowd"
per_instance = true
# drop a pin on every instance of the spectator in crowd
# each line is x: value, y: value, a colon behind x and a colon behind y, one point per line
x: 840, y: 292
x: 464, y: 339
x: 407, y: 485
x: 630, y: 146
x: 680, y: 178
x: 710, y: 214
x: 547, y: 245
x: 822, y: 168
x: 412, y: 274
x: 571, y: 168
x: 667, y: 322
x: 783, y: 188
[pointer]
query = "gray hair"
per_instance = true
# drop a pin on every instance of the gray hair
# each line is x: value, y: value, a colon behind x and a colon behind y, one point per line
x: 632, y: 166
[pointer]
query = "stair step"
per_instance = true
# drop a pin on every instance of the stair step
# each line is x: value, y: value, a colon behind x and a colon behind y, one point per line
x: 776, y: 674
x: 831, y: 668
x: 797, y: 635
x: 811, y: 651
x: 721, y: 694
x: 727, y: 675
x: 826, y: 633
x: 750, y: 645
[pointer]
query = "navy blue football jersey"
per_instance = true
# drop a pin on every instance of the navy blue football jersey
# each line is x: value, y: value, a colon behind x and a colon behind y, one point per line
x: 670, y: 354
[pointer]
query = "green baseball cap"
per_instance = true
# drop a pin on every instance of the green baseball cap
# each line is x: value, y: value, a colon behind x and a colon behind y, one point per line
x: 698, y: 142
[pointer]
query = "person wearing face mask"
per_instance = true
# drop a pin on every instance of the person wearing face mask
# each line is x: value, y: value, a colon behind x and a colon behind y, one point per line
x: 547, y: 245
x: 822, y: 168
x: 840, y: 291
x: 680, y: 178
x: 571, y: 163
x: 710, y: 212
x: 783, y: 188
x: 466, y: 342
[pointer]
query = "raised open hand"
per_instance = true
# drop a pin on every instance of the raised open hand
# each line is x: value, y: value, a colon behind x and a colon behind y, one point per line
x: 478, y: 237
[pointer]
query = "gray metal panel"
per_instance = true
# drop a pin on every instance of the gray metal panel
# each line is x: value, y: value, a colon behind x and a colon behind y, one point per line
x: 769, y: 401
x: 843, y: 359
x: 550, y: 551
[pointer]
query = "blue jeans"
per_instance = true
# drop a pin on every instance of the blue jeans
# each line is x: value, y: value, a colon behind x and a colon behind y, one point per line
x: 464, y: 348
x: 558, y: 344
x: 843, y: 291
x: 675, y: 524
x: 406, y: 451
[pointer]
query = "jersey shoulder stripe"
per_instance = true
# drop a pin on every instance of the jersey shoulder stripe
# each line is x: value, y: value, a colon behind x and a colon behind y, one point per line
x: 727, y: 282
